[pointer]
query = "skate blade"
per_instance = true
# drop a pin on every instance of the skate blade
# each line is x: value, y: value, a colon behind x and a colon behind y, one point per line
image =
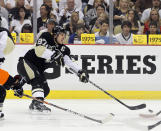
x: 37, y: 112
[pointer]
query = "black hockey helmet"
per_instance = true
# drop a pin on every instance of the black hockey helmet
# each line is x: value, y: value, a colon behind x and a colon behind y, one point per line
x: 57, y: 30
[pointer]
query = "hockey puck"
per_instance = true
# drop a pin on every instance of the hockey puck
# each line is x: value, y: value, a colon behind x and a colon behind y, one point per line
x: 151, y: 111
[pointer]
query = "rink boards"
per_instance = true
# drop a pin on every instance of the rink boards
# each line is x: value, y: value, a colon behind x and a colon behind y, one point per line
x: 128, y: 72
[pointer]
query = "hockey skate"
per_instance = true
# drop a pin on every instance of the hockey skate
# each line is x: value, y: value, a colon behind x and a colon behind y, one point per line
x: 37, y: 106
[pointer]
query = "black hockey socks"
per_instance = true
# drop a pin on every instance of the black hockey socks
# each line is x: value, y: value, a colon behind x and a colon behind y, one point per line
x: 46, y: 88
x: 2, y: 98
x: 2, y: 94
x: 1, y: 113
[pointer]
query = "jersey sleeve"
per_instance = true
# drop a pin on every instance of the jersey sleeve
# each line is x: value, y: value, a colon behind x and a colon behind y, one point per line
x: 6, y: 42
x: 3, y: 41
x: 69, y: 63
x: 43, y: 52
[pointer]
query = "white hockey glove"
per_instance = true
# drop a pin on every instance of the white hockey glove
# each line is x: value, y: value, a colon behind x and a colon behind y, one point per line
x: 83, y: 76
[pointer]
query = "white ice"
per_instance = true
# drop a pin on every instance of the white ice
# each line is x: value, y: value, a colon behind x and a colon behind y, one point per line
x: 19, y: 118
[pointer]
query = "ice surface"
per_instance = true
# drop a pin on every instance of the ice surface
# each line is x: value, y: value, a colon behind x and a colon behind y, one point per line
x: 19, y: 118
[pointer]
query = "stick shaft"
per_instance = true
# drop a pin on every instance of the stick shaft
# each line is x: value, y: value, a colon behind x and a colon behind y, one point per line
x: 129, y: 107
x: 141, y: 106
x: 64, y: 109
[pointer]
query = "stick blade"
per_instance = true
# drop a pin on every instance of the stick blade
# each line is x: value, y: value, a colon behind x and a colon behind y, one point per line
x: 154, y: 125
x: 109, y: 118
x: 138, y: 107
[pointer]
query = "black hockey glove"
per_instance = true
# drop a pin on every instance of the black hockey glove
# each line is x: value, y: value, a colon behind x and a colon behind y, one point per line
x: 83, y: 76
x: 58, y: 58
x: 17, y: 87
x: 2, y: 60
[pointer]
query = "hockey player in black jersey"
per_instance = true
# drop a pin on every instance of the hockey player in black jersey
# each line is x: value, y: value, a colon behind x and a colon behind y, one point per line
x: 49, y: 48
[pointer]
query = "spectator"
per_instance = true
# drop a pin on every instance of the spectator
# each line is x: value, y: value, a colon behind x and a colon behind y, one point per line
x: 77, y: 5
x: 54, y: 4
x: 126, y: 37
x: 134, y: 19
x: 9, y: 4
x: 29, y: 5
x: 3, y: 22
x: 92, y: 14
x: 66, y: 13
x: 20, y: 20
x: 96, y: 27
x: 154, y: 16
x: 102, y: 37
x: 153, y: 29
x: 146, y: 12
x: 26, y: 28
x: 50, y: 26
x: 71, y: 26
x: 45, y: 15
x: 4, y: 12
x: 53, y: 9
x: 76, y: 37
x: 54, y: 17
x: 121, y: 12
x: 14, y: 11
x: 2, y: 4
x: 100, y: 9
x: 104, y: 2
x: 141, y: 5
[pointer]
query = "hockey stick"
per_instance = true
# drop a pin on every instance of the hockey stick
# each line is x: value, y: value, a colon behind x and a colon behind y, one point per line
x: 141, y: 106
x: 110, y: 115
x: 142, y: 127
x: 137, y: 107
x: 150, y: 115
x: 154, y: 125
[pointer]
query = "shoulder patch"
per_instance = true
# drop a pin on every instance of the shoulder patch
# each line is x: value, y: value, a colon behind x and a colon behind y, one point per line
x: 64, y: 49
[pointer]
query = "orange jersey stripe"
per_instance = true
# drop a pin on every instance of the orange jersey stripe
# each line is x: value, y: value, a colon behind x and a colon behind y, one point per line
x: 3, y: 76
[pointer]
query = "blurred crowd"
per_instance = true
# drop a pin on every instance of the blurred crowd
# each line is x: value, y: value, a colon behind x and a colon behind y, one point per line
x: 84, y: 16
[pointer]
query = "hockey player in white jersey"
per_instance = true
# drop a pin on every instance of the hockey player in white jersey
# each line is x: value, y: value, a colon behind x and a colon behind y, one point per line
x: 6, y: 80
x: 49, y: 48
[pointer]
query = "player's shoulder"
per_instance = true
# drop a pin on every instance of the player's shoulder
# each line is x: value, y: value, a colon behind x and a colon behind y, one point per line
x: 3, y: 29
x: 47, y: 37
x: 6, y: 30
x: 64, y: 48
